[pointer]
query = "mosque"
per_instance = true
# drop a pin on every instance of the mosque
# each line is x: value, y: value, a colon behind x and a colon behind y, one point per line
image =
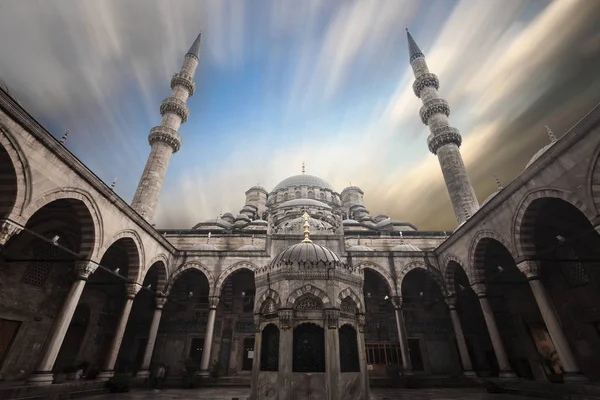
x: 302, y: 293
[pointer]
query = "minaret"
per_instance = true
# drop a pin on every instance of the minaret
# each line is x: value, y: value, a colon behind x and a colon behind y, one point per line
x: 164, y: 139
x: 444, y: 140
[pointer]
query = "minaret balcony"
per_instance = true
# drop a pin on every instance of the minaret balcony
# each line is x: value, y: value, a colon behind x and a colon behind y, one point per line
x: 175, y: 106
x: 443, y: 136
x: 425, y: 80
x: 165, y: 135
x: 435, y: 106
x: 185, y: 80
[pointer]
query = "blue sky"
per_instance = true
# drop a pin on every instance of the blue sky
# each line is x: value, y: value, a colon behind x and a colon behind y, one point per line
x: 281, y: 82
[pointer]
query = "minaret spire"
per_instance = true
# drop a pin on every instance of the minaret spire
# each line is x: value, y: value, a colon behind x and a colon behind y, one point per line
x: 444, y: 140
x: 165, y: 139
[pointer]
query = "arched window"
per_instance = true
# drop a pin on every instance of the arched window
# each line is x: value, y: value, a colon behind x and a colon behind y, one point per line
x: 348, y: 350
x: 285, y: 197
x: 309, y: 348
x: 311, y: 194
x: 322, y: 196
x: 298, y: 194
x: 308, y: 302
x: 269, y: 351
x: 348, y: 306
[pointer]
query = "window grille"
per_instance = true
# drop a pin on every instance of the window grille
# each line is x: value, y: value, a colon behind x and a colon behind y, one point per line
x: 309, y: 348
x: 573, y: 270
x: 37, y: 271
x: 348, y: 349
x: 269, y: 352
x: 308, y: 303
x: 383, y: 353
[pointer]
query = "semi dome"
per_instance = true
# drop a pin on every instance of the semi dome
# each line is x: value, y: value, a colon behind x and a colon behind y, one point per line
x: 405, y: 247
x: 359, y: 247
x: 538, y: 154
x: 206, y: 247
x: 304, y: 203
x: 303, y: 180
x: 250, y: 247
x: 306, y: 252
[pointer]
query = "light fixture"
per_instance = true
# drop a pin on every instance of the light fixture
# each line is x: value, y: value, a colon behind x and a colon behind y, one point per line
x: 117, y: 271
x: 500, y: 269
x: 421, y: 294
x: 243, y: 294
x: 461, y: 287
x: 55, y: 240
x: 369, y: 294
x: 149, y: 286
x: 191, y: 294
x: 386, y: 297
x: 560, y: 239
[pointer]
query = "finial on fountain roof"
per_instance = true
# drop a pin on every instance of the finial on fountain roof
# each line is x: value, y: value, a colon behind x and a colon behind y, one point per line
x: 551, y: 134
x: 498, y: 183
x: 306, y: 228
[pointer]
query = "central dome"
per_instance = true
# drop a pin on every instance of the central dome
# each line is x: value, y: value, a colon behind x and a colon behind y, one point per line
x: 303, y: 180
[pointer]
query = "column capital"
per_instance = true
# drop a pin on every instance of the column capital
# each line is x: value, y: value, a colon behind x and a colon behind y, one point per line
x: 85, y: 268
x: 332, y: 317
x: 132, y: 290
x: 257, y: 321
x: 479, y: 289
x: 7, y: 230
x: 160, y: 302
x: 360, y: 319
x: 285, y: 318
x: 530, y: 268
x: 396, y: 302
x: 451, y: 301
x: 213, y: 302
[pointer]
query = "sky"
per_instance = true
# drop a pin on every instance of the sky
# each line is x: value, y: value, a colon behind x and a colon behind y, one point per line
x: 282, y: 82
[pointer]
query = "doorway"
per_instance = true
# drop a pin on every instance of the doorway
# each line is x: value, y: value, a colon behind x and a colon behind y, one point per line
x: 195, y: 352
x: 416, y: 355
x: 8, y: 332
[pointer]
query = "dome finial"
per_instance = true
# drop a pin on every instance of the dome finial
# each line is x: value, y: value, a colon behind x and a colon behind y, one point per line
x: 306, y: 228
x: 303, y: 168
x: 401, y: 237
x: 551, y: 134
x: 208, y: 238
x: 498, y: 183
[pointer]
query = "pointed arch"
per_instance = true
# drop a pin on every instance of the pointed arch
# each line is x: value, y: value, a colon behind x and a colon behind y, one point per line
x: 22, y: 171
x: 348, y: 292
x: 433, y: 273
x: 449, y: 264
x: 382, y: 272
x: 225, y: 274
x: 161, y: 272
x: 524, y: 219
x: 308, y: 289
x: 92, y: 230
x: 477, y: 251
x: 187, y: 266
x: 269, y: 294
x: 134, y: 248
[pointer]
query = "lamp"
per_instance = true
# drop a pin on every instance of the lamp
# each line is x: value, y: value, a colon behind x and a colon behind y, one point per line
x: 55, y: 240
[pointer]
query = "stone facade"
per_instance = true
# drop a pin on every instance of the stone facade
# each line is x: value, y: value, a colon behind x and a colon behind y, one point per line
x: 85, y: 278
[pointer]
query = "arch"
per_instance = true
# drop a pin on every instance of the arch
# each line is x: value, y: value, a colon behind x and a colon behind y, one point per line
x: 382, y: 272
x: 434, y: 274
x: 134, y: 247
x: 594, y: 181
x: 524, y: 218
x: 348, y: 292
x: 21, y: 169
x: 269, y: 294
x: 161, y: 273
x: 93, y: 248
x: 308, y: 289
x: 269, y: 351
x: 477, y: 251
x: 187, y: 266
x: 348, y: 349
x: 450, y: 263
x: 235, y: 267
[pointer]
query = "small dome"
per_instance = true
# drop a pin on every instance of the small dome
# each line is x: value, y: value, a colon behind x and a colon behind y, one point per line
x: 303, y: 180
x: 217, y: 222
x: 539, y: 153
x: 367, y: 218
x: 349, y: 188
x: 206, y: 247
x: 306, y: 252
x: 243, y: 217
x: 350, y: 222
x: 304, y: 203
x: 259, y: 222
x: 382, y: 223
x: 405, y: 247
x: 490, y: 197
x: 359, y: 247
x: 227, y: 217
x: 249, y: 247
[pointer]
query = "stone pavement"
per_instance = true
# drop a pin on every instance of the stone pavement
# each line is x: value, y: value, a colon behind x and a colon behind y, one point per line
x: 376, y: 394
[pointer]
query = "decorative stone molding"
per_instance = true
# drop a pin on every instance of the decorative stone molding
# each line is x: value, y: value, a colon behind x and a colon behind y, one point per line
x: 160, y: 302
x: 360, y: 319
x: 285, y: 318
x: 396, y: 302
x: 531, y: 269
x: 132, y: 289
x: 479, y: 289
x: 257, y: 321
x: 85, y: 268
x: 332, y: 318
x: 176, y: 106
x: 425, y: 80
x: 213, y: 302
x: 8, y: 230
x: 451, y: 301
x: 443, y: 136
x: 165, y: 135
x: 434, y: 106
x: 184, y: 80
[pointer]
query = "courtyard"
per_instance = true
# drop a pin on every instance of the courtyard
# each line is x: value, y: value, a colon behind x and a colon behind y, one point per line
x: 376, y: 394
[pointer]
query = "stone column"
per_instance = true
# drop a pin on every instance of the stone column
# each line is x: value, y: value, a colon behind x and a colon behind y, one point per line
x: 362, y: 354
x: 572, y: 372
x: 7, y: 231
x: 332, y: 353
x: 460, y: 339
x: 490, y: 322
x: 402, y: 336
x: 144, y: 372
x: 109, y: 364
x: 213, y: 302
x: 43, y: 374
x: 257, y: 352
x: 286, y: 349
